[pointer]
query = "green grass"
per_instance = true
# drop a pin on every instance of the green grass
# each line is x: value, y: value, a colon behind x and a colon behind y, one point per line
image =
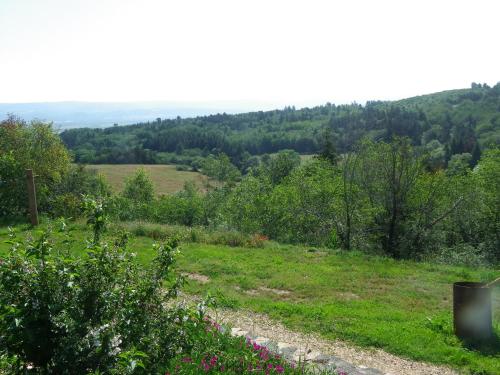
x: 166, y: 179
x: 403, y: 307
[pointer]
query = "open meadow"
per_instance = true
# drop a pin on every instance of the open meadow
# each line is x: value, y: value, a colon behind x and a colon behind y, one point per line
x: 166, y: 179
x: 402, y: 307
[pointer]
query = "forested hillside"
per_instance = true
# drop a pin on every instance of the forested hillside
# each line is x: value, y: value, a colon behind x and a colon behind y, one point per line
x: 446, y: 123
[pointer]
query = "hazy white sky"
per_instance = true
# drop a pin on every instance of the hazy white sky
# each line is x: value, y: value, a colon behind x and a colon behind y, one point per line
x: 283, y: 52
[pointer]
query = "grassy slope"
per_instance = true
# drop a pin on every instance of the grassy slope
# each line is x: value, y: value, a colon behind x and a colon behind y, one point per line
x: 166, y: 178
x: 367, y: 300
x: 370, y: 301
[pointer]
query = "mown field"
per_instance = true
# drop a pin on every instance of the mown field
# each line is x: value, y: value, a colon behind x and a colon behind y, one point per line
x: 403, y: 307
x: 166, y: 178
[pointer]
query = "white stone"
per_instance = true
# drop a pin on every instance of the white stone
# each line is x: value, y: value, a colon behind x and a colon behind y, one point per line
x: 241, y: 333
x: 261, y: 340
x: 312, y: 355
x: 235, y: 330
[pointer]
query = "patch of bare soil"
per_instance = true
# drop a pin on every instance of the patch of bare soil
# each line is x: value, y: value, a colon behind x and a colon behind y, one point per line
x: 197, y: 277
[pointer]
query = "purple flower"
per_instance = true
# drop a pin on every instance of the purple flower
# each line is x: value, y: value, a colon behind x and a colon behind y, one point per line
x: 213, y: 360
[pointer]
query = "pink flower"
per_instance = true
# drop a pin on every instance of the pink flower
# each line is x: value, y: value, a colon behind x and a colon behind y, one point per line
x: 186, y: 360
x: 279, y: 369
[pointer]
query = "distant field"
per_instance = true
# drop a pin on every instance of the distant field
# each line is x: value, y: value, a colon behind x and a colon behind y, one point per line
x: 165, y: 178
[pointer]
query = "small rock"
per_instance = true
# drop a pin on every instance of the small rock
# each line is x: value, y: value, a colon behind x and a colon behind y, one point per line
x: 312, y: 355
x: 241, y: 333
x: 341, y: 365
x: 369, y: 371
x: 261, y: 341
x: 286, y: 350
x: 300, y: 355
x: 322, y: 358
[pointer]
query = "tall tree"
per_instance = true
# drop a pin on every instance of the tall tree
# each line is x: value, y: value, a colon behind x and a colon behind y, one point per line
x: 388, y: 173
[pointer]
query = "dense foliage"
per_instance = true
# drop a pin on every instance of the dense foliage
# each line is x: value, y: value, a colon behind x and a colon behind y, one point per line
x: 447, y: 123
x: 59, y: 184
x: 99, y: 313
x: 28, y: 146
x: 381, y: 198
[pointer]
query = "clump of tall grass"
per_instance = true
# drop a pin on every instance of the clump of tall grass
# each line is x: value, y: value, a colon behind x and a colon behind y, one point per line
x: 196, y: 234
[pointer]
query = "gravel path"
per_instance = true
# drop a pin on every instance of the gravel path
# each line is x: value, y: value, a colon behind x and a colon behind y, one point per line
x: 261, y: 325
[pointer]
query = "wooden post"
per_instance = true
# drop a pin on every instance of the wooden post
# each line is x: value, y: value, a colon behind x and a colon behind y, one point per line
x: 32, y: 197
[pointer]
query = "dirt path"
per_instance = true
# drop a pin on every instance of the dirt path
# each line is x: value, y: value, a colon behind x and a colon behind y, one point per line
x: 261, y: 325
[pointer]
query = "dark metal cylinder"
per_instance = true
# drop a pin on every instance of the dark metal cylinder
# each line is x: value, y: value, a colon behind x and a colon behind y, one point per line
x: 472, y: 311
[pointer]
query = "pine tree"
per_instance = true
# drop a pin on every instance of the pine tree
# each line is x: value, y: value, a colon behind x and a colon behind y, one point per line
x: 329, y: 151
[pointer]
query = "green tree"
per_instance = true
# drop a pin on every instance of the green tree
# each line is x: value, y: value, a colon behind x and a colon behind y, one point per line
x: 487, y: 175
x: 353, y: 212
x: 328, y: 150
x: 29, y: 146
x: 221, y: 169
x: 139, y: 187
x: 459, y: 164
x: 388, y: 172
x: 280, y: 165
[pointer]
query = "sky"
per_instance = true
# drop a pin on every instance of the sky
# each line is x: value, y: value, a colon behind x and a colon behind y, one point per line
x: 267, y: 51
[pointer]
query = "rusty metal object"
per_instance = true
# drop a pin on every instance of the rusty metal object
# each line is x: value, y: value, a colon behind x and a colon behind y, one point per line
x: 472, y: 318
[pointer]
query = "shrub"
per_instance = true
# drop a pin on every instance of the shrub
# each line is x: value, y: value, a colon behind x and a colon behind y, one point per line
x: 29, y: 146
x: 183, y: 208
x: 182, y: 168
x: 101, y: 312
x: 68, y: 195
x: 139, y: 188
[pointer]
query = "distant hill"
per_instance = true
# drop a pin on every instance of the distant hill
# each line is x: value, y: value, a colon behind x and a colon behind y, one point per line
x: 443, y: 124
x: 67, y: 115
x: 478, y: 107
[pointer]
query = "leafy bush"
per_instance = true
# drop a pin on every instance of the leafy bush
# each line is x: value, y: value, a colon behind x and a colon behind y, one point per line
x: 183, y: 208
x: 29, y: 146
x: 182, y: 167
x: 220, y: 168
x: 139, y: 188
x: 101, y: 312
x: 68, y: 195
x: 12, y: 187
x: 462, y: 254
